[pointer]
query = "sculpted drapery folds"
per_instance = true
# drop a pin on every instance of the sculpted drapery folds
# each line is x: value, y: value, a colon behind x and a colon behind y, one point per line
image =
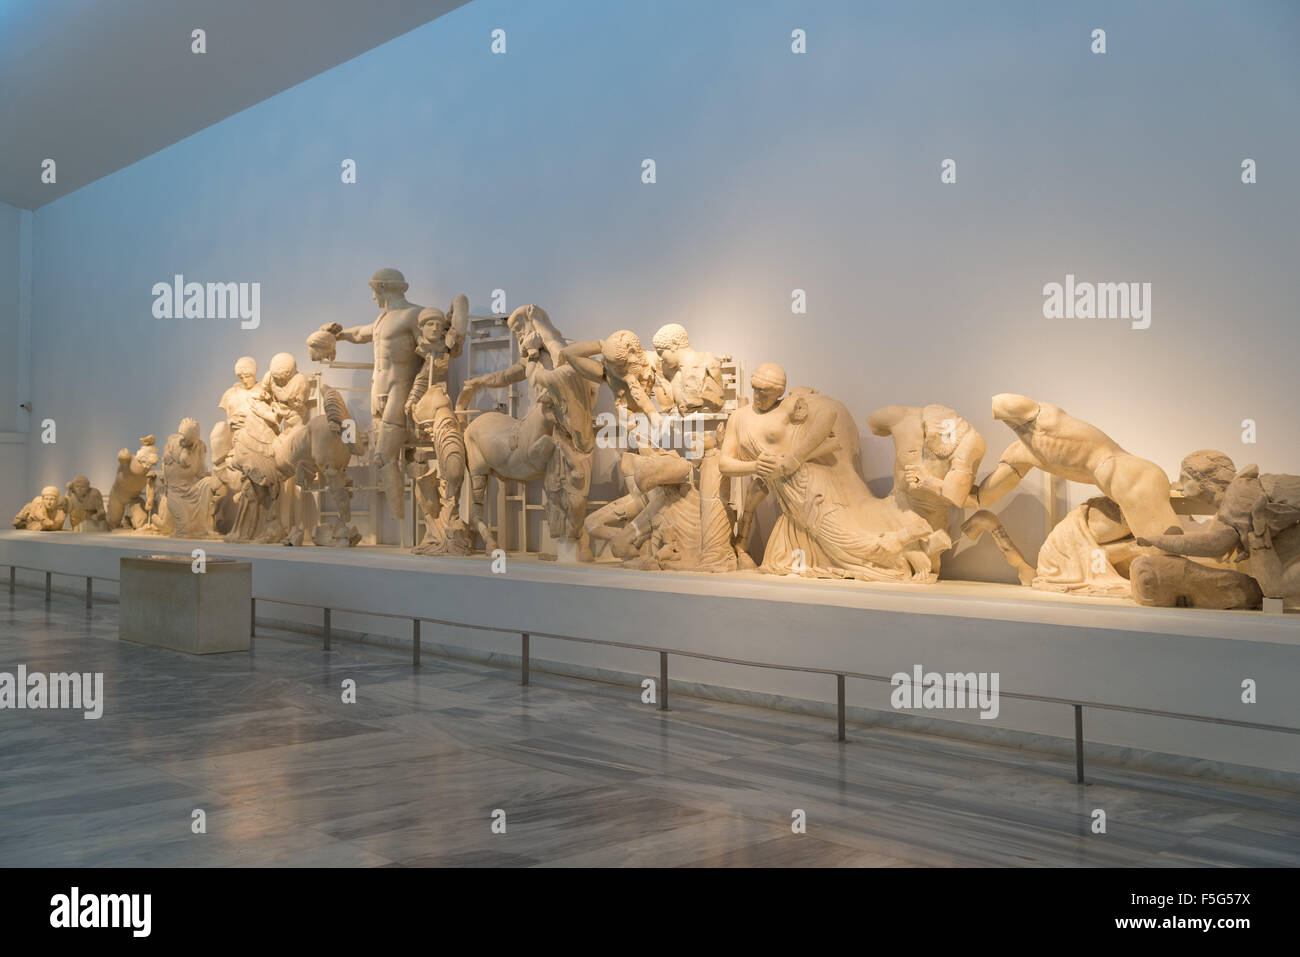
x: 804, y: 448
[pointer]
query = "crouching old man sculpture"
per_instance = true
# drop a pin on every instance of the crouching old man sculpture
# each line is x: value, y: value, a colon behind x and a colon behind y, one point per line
x: 804, y: 449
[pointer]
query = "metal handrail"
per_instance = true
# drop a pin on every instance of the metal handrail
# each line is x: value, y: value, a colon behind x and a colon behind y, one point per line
x: 839, y: 674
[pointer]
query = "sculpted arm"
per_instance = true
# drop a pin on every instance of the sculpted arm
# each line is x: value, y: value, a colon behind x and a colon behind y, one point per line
x: 491, y: 380
x: 1216, y: 541
x: 965, y: 463
x: 357, y: 334
x: 641, y: 402
x: 459, y: 329
x: 421, y: 384
x: 816, y: 438
x: 729, y: 462
x: 1016, y: 463
x: 886, y: 419
x: 579, y: 355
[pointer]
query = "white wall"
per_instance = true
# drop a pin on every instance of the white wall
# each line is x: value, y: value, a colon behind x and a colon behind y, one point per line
x: 15, y: 293
x: 775, y: 171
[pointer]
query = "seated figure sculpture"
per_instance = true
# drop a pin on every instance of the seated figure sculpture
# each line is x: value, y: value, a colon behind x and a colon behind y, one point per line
x: 190, y: 493
x: 1089, y: 552
x: 45, y: 513
x: 804, y: 448
x: 1257, y: 522
x: 937, y: 454
x: 86, y: 512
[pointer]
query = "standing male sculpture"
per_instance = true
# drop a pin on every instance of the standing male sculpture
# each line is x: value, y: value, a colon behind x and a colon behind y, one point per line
x: 395, y: 334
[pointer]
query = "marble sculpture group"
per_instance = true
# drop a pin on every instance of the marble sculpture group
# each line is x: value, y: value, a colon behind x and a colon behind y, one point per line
x: 793, y: 446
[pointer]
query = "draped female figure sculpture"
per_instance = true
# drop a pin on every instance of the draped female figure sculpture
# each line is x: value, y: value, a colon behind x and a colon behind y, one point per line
x: 804, y: 448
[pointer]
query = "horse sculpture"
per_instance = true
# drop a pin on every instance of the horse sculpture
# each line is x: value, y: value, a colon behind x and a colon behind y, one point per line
x: 496, y: 444
x: 316, y: 454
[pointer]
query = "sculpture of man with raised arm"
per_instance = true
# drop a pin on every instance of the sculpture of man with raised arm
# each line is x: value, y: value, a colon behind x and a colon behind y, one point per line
x: 395, y: 334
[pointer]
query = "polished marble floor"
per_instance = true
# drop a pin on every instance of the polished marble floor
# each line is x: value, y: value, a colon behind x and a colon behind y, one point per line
x: 287, y: 774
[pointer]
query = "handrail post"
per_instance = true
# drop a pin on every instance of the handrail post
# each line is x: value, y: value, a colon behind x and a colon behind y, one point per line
x: 523, y: 659
x: 327, y: 629
x: 48, y: 576
x: 839, y: 704
x: 252, y: 618
x: 1078, y: 744
x: 415, y: 642
x: 663, y: 681
x: 13, y: 578
x: 90, y: 592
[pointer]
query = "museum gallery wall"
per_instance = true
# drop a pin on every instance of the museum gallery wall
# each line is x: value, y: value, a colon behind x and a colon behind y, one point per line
x: 884, y: 299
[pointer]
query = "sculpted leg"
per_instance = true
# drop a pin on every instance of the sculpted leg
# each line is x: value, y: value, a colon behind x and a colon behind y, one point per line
x: 478, y: 483
x: 755, y: 492
x: 1141, y: 489
x: 985, y: 522
x: 388, y: 454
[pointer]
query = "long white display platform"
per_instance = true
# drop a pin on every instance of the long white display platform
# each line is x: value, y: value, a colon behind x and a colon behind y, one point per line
x: 1104, y: 650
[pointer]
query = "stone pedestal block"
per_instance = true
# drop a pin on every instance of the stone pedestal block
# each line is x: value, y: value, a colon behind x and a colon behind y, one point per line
x: 166, y: 603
